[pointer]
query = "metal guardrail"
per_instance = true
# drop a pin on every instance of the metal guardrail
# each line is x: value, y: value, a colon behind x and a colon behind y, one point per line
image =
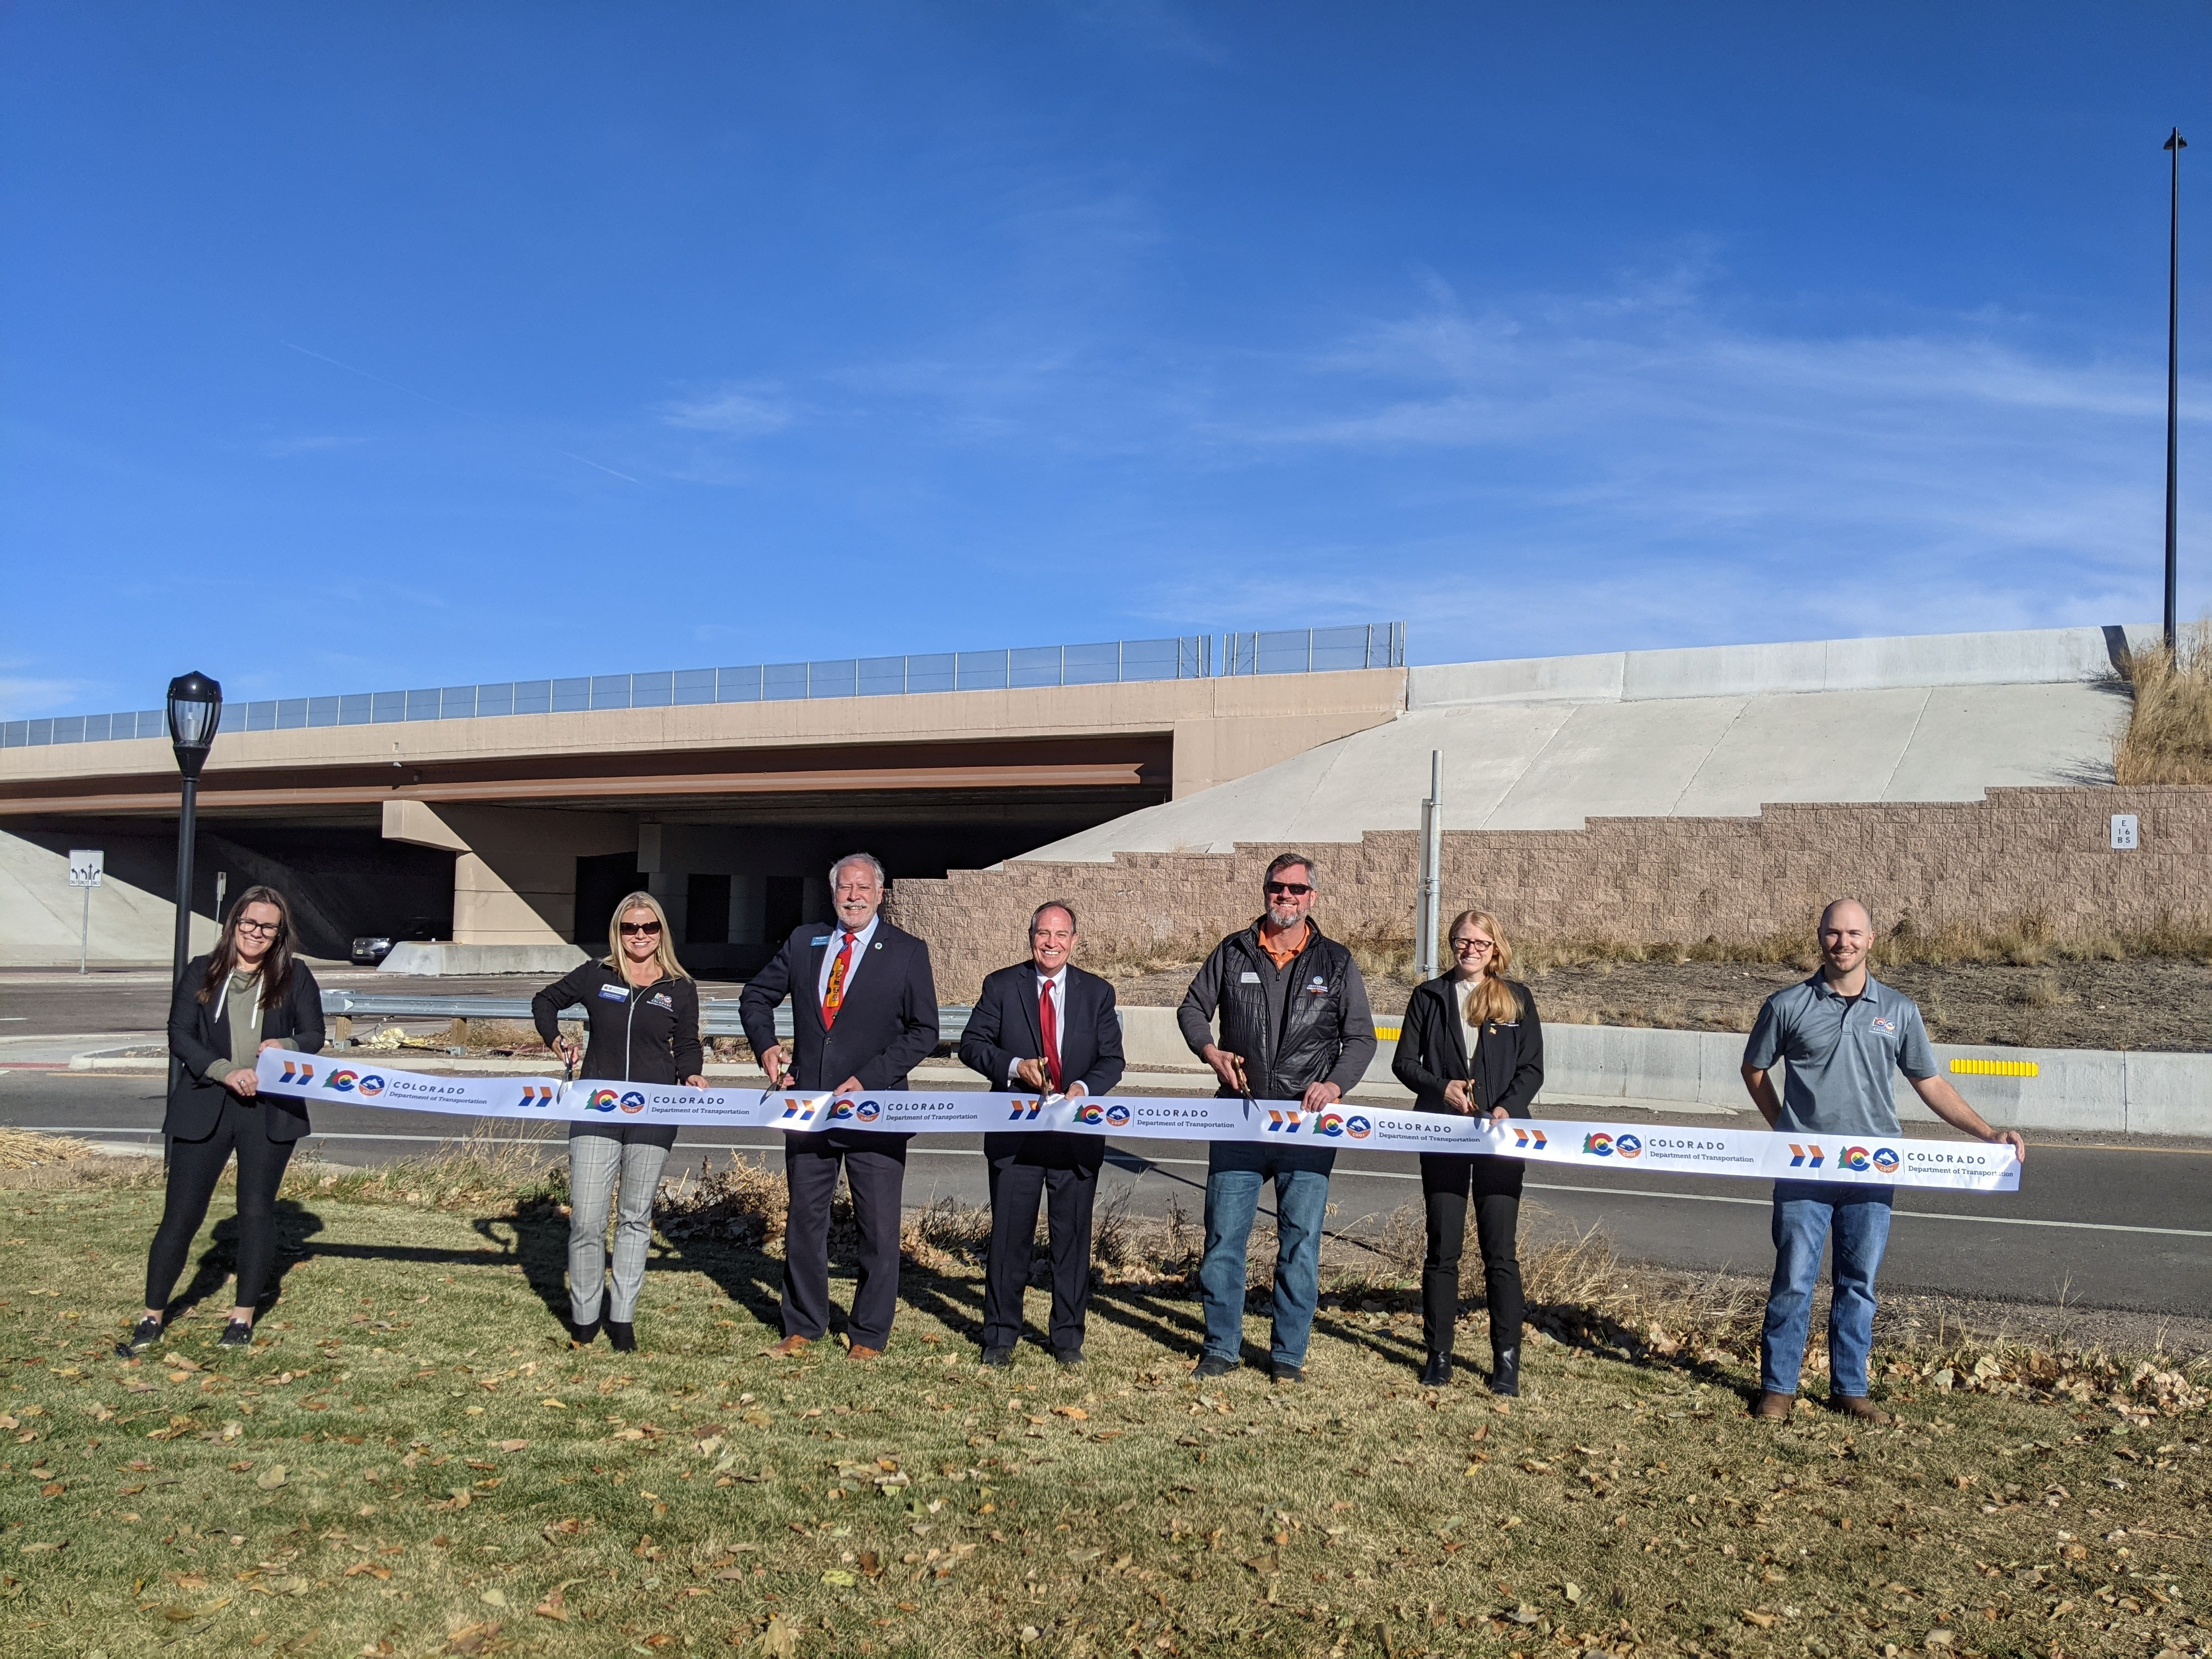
x: 716, y: 1018
x: 1188, y: 656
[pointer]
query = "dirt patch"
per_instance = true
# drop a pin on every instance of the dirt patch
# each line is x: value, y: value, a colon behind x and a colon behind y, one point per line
x: 2157, y: 1003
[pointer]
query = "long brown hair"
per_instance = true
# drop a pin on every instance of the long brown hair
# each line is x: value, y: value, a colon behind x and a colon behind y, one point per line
x: 1491, y: 998
x: 663, y: 950
x: 276, y: 967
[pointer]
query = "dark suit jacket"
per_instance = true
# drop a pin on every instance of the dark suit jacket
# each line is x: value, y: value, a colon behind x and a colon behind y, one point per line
x: 1509, y: 1067
x: 195, y: 1105
x: 1004, y: 1028
x: 887, y: 1024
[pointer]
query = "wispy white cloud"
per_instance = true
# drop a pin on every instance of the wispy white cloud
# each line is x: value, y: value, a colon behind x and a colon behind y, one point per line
x: 24, y: 696
x: 737, y: 411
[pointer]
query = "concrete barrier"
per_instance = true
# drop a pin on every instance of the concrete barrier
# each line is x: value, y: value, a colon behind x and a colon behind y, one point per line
x: 1623, y: 1069
x: 412, y: 957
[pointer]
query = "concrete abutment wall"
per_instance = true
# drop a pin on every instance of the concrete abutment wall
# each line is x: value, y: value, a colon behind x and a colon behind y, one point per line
x: 2043, y: 851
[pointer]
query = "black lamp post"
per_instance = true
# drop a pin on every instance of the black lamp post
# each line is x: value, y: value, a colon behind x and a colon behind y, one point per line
x: 195, y: 711
x: 2174, y: 146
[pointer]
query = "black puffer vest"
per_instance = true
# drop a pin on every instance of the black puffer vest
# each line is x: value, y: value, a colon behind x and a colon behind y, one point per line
x: 1313, y: 1026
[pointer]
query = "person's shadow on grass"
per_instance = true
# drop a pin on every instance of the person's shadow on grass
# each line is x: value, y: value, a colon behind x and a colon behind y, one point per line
x: 218, y: 1262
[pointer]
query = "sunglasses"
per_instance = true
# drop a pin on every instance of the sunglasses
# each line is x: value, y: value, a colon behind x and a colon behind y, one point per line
x: 641, y: 926
x: 1277, y: 889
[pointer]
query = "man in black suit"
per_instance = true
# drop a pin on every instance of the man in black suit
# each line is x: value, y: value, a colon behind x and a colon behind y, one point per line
x: 864, y: 1011
x: 1047, y: 1026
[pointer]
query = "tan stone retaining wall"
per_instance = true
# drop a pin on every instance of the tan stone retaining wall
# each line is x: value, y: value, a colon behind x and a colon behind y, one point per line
x: 2019, y: 851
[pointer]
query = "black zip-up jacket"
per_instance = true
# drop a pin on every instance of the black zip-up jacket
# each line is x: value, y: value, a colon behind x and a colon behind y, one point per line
x: 1327, y: 1031
x: 1509, y: 1064
x: 635, y: 1034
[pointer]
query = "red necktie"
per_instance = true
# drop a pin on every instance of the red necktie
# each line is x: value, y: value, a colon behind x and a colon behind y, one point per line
x: 1049, y: 1024
x: 833, y: 998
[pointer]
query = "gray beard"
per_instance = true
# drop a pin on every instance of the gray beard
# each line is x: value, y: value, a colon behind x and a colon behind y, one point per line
x: 1281, y: 920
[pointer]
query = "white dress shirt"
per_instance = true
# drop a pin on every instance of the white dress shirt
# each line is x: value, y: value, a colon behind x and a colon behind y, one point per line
x: 860, y: 938
x: 1057, y: 985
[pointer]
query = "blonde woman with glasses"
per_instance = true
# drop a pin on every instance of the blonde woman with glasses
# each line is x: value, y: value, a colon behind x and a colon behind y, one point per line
x: 641, y: 1019
x: 1470, y: 1044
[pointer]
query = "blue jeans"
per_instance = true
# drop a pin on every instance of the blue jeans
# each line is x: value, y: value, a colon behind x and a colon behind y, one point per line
x: 1234, y: 1172
x: 1806, y: 1214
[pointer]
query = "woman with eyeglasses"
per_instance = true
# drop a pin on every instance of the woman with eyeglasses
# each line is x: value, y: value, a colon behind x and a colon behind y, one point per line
x: 642, y: 1020
x: 1471, y: 1043
x: 246, y: 995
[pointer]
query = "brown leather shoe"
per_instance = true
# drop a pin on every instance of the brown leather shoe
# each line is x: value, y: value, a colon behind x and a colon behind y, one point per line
x: 862, y: 1351
x: 1773, y: 1407
x: 790, y: 1348
x: 1858, y: 1406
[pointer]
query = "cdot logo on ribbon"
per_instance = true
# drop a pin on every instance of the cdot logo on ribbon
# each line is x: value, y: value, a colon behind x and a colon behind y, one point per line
x: 1117, y: 1115
x: 1284, y: 1122
x: 1885, y: 1161
x: 342, y: 1080
x: 1598, y: 1146
x: 868, y: 1111
x: 297, y: 1071
x: 1091, y: 1112
x: 1026, y: 1111
x: 1628, y: 1145
x: 1357, y: 1127
x: 1330, y: 1124
x: 632, y: 1102
x: 537, y: 1094
x: 1527, y: 1139
x: 1806, y: 1156
x: 372, y: 1085
x: 800, y: 1111
x: 602, y: 1100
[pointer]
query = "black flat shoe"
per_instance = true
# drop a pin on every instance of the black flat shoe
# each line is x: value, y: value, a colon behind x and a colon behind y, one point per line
x: 997, y: 1359
x: 1436, y: 1374
x: 1505, y: 1373
x: 582, y: 1336
x: 143, y: 1335
x: 1282, y: 1371
x: 1067, y: 1357
x: 1213, y: 1365
x: 237, y: 1333
x: 623, y: 1335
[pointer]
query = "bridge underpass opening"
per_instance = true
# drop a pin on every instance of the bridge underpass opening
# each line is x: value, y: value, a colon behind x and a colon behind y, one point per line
x: 532, y: 851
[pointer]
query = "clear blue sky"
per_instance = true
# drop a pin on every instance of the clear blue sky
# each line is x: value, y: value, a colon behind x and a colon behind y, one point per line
x: 356, y: 347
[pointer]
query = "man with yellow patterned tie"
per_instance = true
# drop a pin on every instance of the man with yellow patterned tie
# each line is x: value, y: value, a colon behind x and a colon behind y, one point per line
x: 864, y: 1011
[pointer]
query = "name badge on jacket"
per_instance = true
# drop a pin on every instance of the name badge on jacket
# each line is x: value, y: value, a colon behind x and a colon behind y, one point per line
x: 1248, y: 978
x: 614, y: 993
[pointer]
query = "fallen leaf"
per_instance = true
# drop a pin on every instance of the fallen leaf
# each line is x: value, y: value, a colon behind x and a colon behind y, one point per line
x: 471, y: 1638
x: 513, y: 1445
x: 840, y: 1577
x: 553, y: 1405
x: 494, y: 1598
x: 271, y: 1478
x: 780, y: 1639
x: 1764, y: 1620
x: 1073, y: 1413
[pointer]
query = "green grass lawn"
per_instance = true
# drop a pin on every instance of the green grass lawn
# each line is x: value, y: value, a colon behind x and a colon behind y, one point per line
x: 413, y: 1462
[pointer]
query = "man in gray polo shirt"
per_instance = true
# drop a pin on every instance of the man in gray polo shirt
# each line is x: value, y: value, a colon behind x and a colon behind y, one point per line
x: 1843, y: 1031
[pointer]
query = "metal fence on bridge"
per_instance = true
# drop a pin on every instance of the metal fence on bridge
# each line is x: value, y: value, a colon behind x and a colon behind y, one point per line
x: 1188, y: 656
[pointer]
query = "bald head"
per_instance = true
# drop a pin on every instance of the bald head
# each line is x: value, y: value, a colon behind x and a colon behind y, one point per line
x: 1846, y: 935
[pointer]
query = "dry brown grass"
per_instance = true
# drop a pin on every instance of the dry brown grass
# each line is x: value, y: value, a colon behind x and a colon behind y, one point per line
x: 22, y: 1149
x: 2168, y: 738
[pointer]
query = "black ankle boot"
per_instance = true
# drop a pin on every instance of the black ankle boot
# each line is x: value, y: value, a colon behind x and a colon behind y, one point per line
x: 1506, y: 1372
x: 1437, y: 1372
x: 622, y: 1334
x: 583, y: 1335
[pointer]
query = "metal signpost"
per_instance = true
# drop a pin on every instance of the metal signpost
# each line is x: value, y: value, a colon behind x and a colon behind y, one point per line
x: 86, y: 864
x: 1428, y: 920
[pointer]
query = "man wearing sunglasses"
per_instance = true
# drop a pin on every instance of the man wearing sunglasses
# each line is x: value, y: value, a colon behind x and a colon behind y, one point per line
x: 1294, y: 1027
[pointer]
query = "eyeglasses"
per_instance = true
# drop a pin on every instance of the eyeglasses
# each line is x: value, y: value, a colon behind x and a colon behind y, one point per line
x: 641, y: 926
x: 1277, y: 889
x: 1464, y: 947
x: 261, y: 929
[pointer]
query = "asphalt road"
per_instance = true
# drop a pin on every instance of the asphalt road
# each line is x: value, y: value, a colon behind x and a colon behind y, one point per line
x: 2122, y: 1226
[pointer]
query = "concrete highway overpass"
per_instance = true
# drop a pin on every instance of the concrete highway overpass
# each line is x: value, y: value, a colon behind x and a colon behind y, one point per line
x: 519, y: 831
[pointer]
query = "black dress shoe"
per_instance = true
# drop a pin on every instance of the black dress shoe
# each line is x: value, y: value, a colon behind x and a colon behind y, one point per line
x: 1067, y: 1356
x: 1436, y: 1373
x: 1505, y: 1373
x: 583, y: 1336
x: 1212, y: 1365
x: 143, y: 1335
x: 237, y: 1333
x: 1282, y: 1371
x: 623, y: 1335
x: 999, y: 1359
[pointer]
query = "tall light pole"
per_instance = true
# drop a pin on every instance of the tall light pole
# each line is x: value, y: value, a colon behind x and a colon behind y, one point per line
x: 2174, y: 146
x: 195, y: 711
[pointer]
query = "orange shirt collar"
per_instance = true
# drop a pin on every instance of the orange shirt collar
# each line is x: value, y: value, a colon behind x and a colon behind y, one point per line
x: 1284, y: 952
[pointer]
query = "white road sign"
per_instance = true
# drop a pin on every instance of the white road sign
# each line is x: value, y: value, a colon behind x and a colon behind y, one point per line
x: 86, y: 864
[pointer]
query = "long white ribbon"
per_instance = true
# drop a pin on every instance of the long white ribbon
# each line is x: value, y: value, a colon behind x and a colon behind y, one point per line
x: 1757, y: 1153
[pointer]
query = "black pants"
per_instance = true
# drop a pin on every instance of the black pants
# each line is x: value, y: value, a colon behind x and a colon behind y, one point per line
x: 875, y: 1170
x: 1448, y: 1182
x: 194, y: 1168
x: 1023, y: 1169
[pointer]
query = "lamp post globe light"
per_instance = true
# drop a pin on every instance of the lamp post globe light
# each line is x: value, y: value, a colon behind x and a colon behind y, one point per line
x: 195, y: 711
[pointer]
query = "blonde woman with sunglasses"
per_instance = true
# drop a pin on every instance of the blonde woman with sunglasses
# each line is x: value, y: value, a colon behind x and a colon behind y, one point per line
x: 1470, y: 1044
x: 642, y: 1018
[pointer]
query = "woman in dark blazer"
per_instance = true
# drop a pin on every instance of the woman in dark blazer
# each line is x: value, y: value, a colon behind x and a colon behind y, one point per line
x: 1471, y: 1043
x: 641, y: 1015
x: 246, y: 995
